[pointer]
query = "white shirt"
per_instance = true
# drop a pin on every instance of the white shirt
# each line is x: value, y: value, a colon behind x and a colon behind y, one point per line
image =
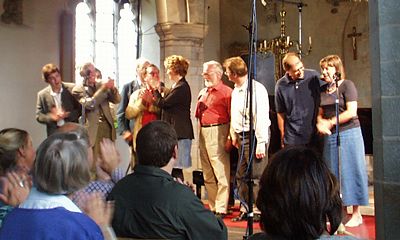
x: 57, y: 100
x: 240, y: 121
x: 40, y: 200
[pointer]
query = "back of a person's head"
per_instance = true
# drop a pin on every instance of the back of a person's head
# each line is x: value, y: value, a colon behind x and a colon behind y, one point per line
x: 61, y: 165
x: 11, y: 140
x: 236, y: 65
x: 297, y: 195
x: 76, y: 128
x: 155, y: 144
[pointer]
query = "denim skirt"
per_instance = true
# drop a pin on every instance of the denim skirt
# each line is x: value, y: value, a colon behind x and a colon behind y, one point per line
x: 184, y: 154
x: 353, y: 173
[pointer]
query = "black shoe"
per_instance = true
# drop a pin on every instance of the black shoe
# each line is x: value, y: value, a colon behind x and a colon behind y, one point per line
x: 220, y: 215
x: 241, y: 217
x: 256, y: 217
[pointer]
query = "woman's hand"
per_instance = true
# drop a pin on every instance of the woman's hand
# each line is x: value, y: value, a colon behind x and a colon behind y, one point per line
x: 16, y: 187
x: 99, y: 210
x: 110, y: 158
x: 324, y: 126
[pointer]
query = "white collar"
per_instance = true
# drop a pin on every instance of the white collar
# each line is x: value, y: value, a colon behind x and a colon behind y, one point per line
x: 52, y: 93
x: 41, y: 200
x: 242, y: 87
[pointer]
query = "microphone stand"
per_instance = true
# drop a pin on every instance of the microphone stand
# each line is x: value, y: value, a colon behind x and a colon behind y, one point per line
x: 251, y: 76
x: 341, y: 229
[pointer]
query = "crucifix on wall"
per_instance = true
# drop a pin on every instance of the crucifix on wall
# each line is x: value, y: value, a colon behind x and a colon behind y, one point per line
x: 353, y: 37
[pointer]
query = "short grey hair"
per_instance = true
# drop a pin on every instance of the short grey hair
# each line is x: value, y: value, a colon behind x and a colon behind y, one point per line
x: 78, y: 129
x: 61, y: 165
x: 216, y: 65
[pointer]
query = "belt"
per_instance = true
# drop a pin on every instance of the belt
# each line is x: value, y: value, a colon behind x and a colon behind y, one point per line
x: 212, y: 125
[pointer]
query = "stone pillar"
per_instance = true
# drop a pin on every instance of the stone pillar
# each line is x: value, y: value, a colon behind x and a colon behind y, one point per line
x: 182, y: 30
x: 385, y: 49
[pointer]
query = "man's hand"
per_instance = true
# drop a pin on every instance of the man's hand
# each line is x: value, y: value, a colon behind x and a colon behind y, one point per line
x: 109, y: 84
x: 228, y: 145
x: 190, y: 185
x: 260, y: 150
x: 147, y: 97
x: 127, y: 136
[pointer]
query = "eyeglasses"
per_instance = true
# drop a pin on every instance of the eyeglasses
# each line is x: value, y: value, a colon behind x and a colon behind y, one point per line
x: 154, y: 73
x: 207, y: 73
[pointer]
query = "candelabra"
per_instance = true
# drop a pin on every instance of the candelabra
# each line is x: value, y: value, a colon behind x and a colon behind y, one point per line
x: 279, y: 46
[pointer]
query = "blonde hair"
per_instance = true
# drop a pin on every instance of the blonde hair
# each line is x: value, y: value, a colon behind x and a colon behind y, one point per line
x: 49, y: 69
x: 236, y: 65
x: 177, y: 64
x: 11, y: 139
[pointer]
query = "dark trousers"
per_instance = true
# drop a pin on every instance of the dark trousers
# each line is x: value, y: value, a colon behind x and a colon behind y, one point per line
x: 258, y: 167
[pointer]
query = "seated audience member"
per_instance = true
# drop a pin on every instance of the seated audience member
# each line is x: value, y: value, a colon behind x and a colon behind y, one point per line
x: 150, y: 204
x: 298, y: 195
x: 61, y: 167
x: 108, y: 172
x: 16, y: 159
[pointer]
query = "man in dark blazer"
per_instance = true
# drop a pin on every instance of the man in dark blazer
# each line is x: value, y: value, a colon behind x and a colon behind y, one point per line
x: 55, y: 103
x: 125, y: 126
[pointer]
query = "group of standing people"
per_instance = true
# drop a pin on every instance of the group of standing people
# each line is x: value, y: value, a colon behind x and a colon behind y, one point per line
x: 306, y: 105
x: 89, y: 102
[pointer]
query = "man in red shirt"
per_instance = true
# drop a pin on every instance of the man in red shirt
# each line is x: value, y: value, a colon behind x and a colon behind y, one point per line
x: 213, y: 111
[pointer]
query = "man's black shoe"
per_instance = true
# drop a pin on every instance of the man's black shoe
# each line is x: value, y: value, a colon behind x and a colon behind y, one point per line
x: 241, y: 217
x: 220, y: 215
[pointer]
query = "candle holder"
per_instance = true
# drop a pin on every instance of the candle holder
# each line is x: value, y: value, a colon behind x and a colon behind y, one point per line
x: 279, y: 46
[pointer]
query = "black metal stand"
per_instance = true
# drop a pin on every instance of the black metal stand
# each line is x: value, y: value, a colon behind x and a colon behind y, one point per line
x: 342, y: 228
x: 251, y: 76
x: 337, y: 130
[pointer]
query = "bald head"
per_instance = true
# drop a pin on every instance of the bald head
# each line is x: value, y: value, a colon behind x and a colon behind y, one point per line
x: 293, y: 66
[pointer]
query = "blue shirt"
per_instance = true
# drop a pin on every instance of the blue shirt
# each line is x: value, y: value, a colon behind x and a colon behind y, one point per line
x: 299, y: 101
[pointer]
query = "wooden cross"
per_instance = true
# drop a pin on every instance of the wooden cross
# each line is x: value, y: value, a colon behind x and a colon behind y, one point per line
x: 354, y: 36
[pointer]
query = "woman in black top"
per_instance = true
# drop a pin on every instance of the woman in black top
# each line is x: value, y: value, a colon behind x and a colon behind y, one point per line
x: 352, y: 172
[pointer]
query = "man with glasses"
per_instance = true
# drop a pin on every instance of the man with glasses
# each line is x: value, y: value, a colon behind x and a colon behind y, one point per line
x: 55, y: 103
x: 213, y: 111
x: 125, y: 126
x: 141, y: 106
x: 297, y: 96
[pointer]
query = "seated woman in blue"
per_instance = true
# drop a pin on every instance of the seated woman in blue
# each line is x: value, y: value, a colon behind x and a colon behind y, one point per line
x: 16, y: 160
x: 61, y: 168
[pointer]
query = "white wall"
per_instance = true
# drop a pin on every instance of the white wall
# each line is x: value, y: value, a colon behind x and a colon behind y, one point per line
x: 24, y: 50
x: 212, y: 49
x: 151, y: 44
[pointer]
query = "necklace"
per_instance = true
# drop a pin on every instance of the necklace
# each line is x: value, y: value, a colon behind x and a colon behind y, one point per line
x: 331, y: 88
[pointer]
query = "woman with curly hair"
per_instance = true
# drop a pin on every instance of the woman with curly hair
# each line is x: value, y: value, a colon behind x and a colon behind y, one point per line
x: 175, y: 109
